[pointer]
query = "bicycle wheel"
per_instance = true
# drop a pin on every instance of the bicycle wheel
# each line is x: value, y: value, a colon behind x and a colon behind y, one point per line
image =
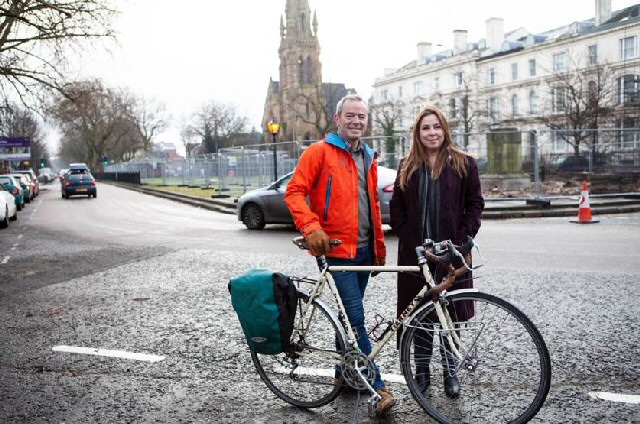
x: 304, y: 377
x: 505, y: 371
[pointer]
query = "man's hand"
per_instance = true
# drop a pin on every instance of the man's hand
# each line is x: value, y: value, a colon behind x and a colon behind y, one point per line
x: 318, y: 242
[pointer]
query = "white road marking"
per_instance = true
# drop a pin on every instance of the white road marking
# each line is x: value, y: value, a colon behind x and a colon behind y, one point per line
x: 615, y: 397
x: 110, y: 353
x: 6, y: 259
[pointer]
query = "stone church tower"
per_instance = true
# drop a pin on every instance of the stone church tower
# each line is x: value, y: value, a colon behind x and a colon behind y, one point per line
x: 300, y: 101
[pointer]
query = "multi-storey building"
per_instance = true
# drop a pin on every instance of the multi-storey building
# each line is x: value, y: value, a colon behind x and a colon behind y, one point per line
x: 582, y: 76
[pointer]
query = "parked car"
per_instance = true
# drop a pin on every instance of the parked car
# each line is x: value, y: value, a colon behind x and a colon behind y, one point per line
x: 79, y: 184
x: 14, y: 188
x: 573, y: 163
x: 8, y: 209
x: 32, y: 176
x: 266, y: 205
x: 25, y: 184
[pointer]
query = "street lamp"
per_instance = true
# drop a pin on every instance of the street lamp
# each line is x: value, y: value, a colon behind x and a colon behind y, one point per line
x: 274, y: 128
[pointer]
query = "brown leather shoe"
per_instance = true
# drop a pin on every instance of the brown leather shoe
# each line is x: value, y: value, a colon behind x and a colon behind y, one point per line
x: 386, y: 402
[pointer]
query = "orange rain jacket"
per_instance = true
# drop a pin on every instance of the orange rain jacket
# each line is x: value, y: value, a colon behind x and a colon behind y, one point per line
x: 328, y: 176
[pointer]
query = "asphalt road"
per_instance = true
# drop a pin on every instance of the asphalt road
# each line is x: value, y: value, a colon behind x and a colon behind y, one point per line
x: 138, y: 274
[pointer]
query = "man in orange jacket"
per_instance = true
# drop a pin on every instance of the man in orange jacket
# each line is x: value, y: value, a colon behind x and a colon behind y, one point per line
x: 339, y: 176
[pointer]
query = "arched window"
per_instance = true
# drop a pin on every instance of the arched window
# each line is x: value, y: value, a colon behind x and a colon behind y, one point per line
x: 514, y: 105
x: 308, y: 70
x: 300, y: 70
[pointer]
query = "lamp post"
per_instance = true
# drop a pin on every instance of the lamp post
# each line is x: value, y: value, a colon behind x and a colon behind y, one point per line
x: 274, y: 128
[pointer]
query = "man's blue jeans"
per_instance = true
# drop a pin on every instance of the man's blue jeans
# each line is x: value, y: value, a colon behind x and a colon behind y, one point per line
x: 351, y: 287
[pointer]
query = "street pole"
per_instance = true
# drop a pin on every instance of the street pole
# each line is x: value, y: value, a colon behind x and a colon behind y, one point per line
x: 275, y: 159
x: 274, y: 127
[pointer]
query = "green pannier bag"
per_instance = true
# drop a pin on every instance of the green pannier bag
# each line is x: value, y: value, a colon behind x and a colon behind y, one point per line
x: 265, y: 302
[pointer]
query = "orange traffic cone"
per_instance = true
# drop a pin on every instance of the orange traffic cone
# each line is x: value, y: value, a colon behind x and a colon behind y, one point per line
x: 584, y: 209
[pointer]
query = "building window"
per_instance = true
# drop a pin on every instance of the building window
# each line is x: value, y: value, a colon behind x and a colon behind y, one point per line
x: 533, y: 103
x: 452, y: 108
x: 628, y: 47
x: 494, y: 112
x: 436, y: 84
x: 514, y: 105
x: 629, y: 134
x: 629, y: 89
x: 417, y: 88
x: 514, y: 72
x: 384, y: 95
x: 492, y: 76
x: 459, y: 79
x: 400, y: 92
x: 594, y: 94
x: 559, y: 142
x: 532, y: 67
x: 593, y: 54
x: 400, y: 119
x: 300, y: 70
x: 559, y: 62
x: 559, y: 99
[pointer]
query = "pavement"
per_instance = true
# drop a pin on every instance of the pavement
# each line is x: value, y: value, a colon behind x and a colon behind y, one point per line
x: 495, y: 207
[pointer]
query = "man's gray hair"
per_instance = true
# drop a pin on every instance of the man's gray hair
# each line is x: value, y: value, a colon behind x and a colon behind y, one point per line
x: 352, y: 96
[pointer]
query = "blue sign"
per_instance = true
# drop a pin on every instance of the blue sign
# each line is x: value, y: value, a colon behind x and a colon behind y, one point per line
x: 14, y: 142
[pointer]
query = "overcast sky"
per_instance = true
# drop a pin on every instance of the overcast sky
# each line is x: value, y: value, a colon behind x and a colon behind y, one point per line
x: 187, y: 52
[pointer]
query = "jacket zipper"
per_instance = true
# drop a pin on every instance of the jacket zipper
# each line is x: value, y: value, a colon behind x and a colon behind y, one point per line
x: 327, y: 198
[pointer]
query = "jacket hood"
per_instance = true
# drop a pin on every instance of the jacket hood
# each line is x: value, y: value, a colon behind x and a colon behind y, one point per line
x: 335, y: 140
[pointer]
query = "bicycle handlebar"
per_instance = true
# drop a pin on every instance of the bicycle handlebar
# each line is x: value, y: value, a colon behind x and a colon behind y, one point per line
x: 445, y: 251
x: 302, y: 244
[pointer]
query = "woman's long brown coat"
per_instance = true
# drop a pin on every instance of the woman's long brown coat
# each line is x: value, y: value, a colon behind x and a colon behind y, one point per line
x: 461, y: 205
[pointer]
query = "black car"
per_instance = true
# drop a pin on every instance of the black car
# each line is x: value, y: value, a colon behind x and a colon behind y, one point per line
x: 79, y: 184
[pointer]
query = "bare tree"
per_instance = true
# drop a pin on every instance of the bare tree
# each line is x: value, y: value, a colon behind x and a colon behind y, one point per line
x: 579, y: 99
x: 214, y: 123
x: 16, y: 121
x: 36, y: 35
x: 97, y: 121
x: 317, y: 106
x: 150, y: 118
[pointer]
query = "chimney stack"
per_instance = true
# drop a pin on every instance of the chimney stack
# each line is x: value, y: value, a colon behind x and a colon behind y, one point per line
x: 603, y: 11
x: 424, y: 50
x: 495, y: 33
x: 459, y: 41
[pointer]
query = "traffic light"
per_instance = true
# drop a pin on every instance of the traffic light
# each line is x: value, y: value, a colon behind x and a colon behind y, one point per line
x: 43, y: 163
x: 105, y: 160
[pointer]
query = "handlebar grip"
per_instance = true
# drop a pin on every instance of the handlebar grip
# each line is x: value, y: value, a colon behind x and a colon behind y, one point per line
x: 302, y: 244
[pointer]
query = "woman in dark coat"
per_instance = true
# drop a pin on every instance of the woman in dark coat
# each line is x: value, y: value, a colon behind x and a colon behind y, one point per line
x: 437, y: 195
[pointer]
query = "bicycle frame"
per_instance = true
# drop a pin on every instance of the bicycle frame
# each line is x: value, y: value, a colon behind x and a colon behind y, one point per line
x: 326, y: 278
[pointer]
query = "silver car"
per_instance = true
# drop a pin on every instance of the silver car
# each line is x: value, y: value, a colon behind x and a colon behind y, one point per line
x: 266, y: 205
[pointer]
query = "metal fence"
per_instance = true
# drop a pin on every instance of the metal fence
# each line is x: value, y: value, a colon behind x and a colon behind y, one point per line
x: 532, y: 156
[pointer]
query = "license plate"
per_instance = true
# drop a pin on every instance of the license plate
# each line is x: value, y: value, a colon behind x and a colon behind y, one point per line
x: 81, y: 189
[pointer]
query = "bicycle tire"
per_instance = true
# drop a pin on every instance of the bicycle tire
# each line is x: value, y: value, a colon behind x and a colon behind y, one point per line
x: 305, y: 381
x: 505, y: 373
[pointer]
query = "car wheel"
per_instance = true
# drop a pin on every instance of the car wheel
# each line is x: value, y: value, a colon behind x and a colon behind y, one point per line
x: 19, y: 206
x: 253, y: 217
x: 15, y: 216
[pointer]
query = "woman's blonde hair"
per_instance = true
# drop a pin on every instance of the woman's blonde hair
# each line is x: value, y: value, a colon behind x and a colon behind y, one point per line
x: 448, y: 153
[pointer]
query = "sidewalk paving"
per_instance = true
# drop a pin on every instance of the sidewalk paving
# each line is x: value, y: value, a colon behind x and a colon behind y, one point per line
x: 495, y: 207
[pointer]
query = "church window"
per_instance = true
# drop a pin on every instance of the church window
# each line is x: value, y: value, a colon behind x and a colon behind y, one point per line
x: 300, y: 70
x: 308, y: 71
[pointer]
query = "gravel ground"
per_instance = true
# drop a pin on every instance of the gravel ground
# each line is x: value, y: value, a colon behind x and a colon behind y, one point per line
x: 176, y: 304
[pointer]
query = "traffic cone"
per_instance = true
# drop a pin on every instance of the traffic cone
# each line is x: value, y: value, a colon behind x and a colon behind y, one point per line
x: 584, y: 209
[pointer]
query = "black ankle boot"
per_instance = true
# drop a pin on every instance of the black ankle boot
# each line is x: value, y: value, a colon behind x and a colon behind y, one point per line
x: 423, y: 378
x: 452, y: 386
